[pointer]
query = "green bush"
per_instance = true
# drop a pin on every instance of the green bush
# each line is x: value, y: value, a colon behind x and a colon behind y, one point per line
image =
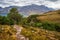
x: 48, y: 26
x: 5, y: 20
x: 37, y: 24
x: 57, y: 27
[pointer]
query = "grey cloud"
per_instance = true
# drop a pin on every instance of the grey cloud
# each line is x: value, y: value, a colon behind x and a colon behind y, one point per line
x: 48, y: 3
x: 52, y: 0
x: 3, y: 3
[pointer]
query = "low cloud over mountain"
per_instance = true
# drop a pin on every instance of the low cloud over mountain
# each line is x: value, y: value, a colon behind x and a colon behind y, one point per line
x: 49, y: 3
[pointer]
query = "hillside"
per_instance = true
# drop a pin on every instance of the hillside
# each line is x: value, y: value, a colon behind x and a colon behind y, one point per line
x: 34, y: 27
x: 32, y: 33
x: 52, y: 16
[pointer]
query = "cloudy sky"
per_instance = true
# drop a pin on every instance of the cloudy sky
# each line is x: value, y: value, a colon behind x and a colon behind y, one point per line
x: 49, y: 3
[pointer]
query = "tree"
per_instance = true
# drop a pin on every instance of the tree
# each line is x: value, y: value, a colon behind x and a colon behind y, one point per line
x: 6, y: 20
x: 32, y: 20
x: 0, y: 19
x: 14, y: 15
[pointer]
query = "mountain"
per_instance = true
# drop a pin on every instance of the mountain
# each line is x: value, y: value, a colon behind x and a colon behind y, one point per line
x: 34, y: 9
x: 27, y: 10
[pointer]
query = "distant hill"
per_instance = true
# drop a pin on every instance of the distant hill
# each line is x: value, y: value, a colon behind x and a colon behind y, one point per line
x: 52, y: 16
x: 26, y: 10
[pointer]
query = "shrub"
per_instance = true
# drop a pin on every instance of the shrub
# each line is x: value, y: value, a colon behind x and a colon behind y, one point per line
x: 57, y: 27
x: 6, y: 32
x: 48, y: 26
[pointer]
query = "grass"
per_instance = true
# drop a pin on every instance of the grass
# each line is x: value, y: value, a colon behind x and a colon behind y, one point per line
x: 7, y: 32
x: 34, y: 33
x: 50, y: 16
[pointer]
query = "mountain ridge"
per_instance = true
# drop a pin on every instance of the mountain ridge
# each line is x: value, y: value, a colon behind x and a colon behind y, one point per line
x: 25, y: 10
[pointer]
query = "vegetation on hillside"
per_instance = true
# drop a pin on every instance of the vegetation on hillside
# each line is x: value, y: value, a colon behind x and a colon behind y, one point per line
x: 34, y: 33
x: 53, y: 16
x: 49, y: 20
x: 7, y: 32
x: 35, y: 27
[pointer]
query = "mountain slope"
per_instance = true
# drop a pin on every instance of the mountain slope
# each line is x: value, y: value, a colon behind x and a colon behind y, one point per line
x: 52, y: 16
x: 34, y: 9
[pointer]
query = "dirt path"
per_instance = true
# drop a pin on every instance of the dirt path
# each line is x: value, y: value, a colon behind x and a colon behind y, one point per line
x: 18, y: 35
